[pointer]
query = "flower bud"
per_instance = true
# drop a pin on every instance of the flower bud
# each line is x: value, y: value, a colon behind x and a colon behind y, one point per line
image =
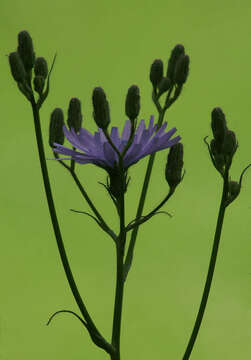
x: 233, y: 189
x: 177, y: 51
x: 39, y: 84
x: 17, y: 67
x: 56, y: 134
x: 132, y: 104
x: 101, y: 112
x: 164, y: 85
x: 229, y: 144
x: 217, y: 155
x: 181, y: 69
x: 25, y: 50
x: 41, y: 67
x: 156, y: 72
x: 74, y: 115
x: 174, y: 165
x: 219, y: 125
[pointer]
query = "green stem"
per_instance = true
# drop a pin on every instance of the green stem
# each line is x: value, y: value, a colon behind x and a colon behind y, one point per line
x: 57, y: 231
x: 210, y: 270
x: 152, y: 213
x: 129, y: 255
x: 120, y: 248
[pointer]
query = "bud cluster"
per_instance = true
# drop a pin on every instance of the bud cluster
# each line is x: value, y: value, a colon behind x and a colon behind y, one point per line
x: 224, y: 144
x: 176, y: 74
x: 23, y: 61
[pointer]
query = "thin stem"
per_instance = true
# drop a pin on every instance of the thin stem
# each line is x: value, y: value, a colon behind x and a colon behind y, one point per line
x: 120, y: 248
x: 101, y: 222
x: 129, y: 255
x: 210, y: 269
x: 150, y: 214
x: 57, y: 231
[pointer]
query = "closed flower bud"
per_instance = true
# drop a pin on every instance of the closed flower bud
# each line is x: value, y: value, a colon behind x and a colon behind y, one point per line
x: 101, y: 112
x: 56, y: 134
x: 156, y: 72
x: 181, y: 69
x: 39, y: 84
x: 41, y: 67
x: 219, y: 125
x: 177, y: 51
x: 74, y: 115
x: 233, y: 189
x: 230, y: 144
x: 174, y: 165
x: 164, y: 85
x: 132, y: 104
x: 217, y: 155
x: 17, y: 67
x: 25, y: 50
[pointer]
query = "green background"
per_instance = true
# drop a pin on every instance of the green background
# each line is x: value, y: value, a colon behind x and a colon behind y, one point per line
x: 112, y: 44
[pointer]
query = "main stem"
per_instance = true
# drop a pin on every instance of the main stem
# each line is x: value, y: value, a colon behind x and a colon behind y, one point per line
x: 120, y: 248
x: 210, y: 272
x: 130, y: 251
x: 55, y: 223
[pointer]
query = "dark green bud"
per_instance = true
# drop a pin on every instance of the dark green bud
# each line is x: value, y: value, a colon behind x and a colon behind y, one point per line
x: 156, y: 72
x: 56, y: 134
x: 164, y: 85
x: 74, y: 115
x: 17, y: 67
x: 217, y: 155
x: 219, y: 126
x: 41, y: 67
x: 230, y: 144
x: 174, y: 165
x: 25, y: 50
x: 132, y: 104
x: 233, y: 189
x: 177, y: 51
x: 181, y: 69
x: 101, y: 112
x: 38, y: 83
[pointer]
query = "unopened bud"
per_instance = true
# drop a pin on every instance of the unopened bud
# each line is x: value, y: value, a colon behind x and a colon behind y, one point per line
x: 234, y: 189
x: 156, y: 72
x: 101, y: 112
x: 17, y: 67
x: 56, y: 134
x: 219, y: 125
x: 164, y: 85
x: 38, y: 83
x: 177, y: 51
x: 41, y: 67
x: 181, y: 69
x: 74, y: 115
x: 217, y: 155
x: 132, y: 104
x: 25, y: 50
x: 174, y: 165
x: 230, y: 144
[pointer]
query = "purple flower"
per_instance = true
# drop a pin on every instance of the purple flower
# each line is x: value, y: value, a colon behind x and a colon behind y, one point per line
x: 95, y: 149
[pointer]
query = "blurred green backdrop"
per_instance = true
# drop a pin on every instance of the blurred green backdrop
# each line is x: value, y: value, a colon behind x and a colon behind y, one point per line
x: 112, y: 44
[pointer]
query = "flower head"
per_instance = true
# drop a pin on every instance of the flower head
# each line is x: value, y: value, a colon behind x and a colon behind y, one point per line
x: 95, y: 149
